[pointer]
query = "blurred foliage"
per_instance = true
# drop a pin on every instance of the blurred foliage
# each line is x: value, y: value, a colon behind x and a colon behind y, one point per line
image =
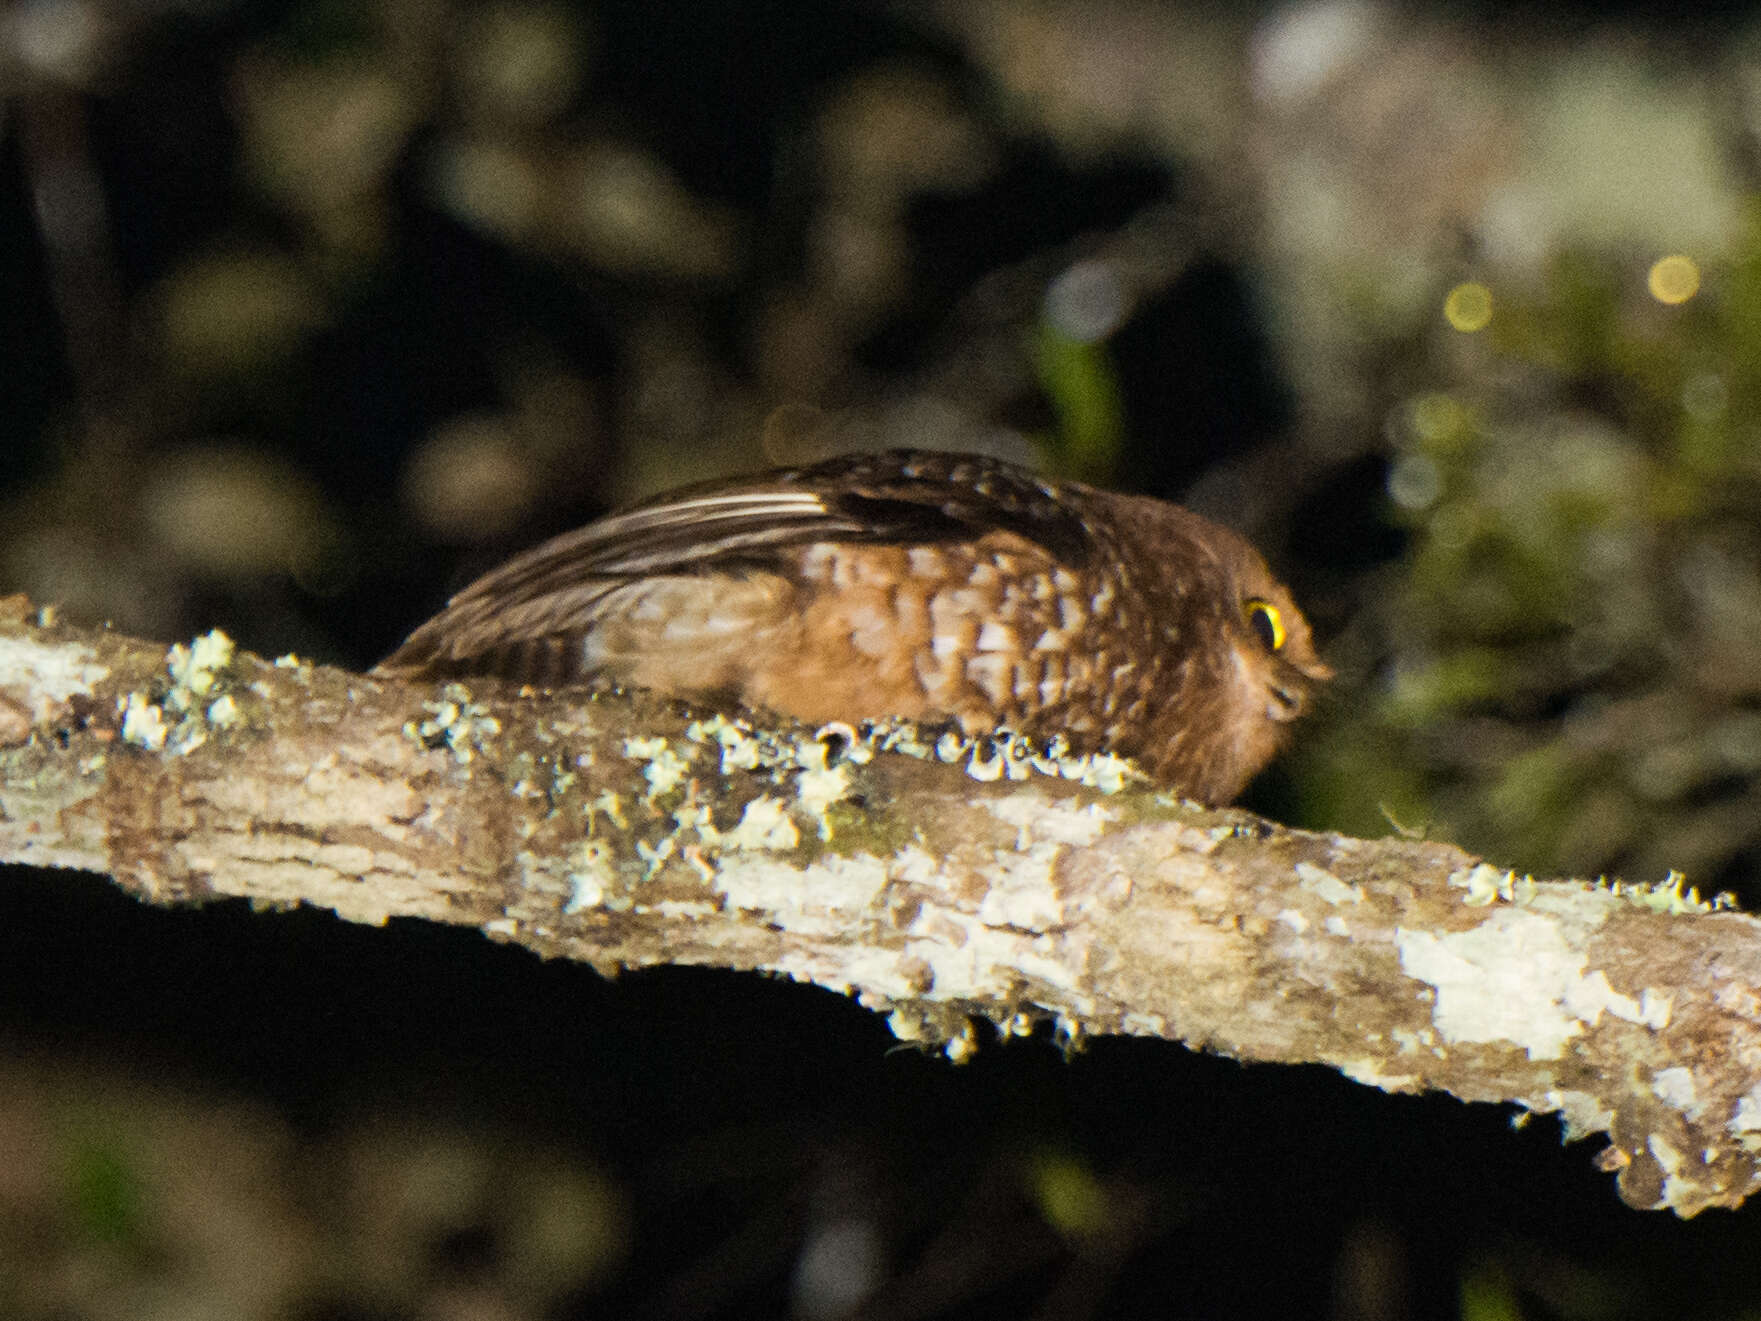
x: 1570, y: 678
x: 106, y: 1193
x: 1083, y: 387
x: 153, y: 1201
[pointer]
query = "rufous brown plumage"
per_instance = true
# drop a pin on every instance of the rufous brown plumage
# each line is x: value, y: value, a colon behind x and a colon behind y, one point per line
x: 922, y: 585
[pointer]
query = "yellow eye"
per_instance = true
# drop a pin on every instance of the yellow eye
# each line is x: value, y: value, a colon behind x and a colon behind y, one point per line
x: 1266, y: 621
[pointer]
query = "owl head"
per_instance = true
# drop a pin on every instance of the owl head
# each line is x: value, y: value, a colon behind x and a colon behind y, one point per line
x: 1248, y: 666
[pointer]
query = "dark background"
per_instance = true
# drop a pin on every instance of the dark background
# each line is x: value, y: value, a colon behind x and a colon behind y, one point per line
x: 313, y: 310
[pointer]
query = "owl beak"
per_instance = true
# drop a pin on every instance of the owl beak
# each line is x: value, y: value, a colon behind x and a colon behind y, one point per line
x: 1288, y: 701
x: 1291, y: 688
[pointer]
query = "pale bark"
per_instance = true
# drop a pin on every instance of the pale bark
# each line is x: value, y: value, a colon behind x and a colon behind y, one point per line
x: 623, y: 832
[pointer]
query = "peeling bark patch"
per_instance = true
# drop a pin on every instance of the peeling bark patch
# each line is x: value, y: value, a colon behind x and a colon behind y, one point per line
x: 1747, y: 1118
x: 1675, y: 1087
x: 1425, y: 1040
x: 1516, y: 978
x: 765, y: 825
x: 1326, y: 886
x: 1369, y: 1072
x: 45, y: 674
x: 846, y: 890
x: 973, y: 961
x: 1670, y: 1161
x: 1580, y: 1113
x: 1038, y: 818
x: 1596, y: 994
x: 585, y: 878
x: 1022, y: 895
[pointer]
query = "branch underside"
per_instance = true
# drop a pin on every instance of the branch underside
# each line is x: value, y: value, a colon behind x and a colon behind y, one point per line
x: 936, y: 881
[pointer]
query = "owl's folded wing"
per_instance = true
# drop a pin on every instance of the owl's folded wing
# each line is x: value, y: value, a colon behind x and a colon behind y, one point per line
x: 558, y: 589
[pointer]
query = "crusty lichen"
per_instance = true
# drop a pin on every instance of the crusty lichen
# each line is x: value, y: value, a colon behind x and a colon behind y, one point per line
x: 811, y: 779
x: 1667, y: 896
x: 1486, y: 885
x: 195, y: 704
x: 457, y: 722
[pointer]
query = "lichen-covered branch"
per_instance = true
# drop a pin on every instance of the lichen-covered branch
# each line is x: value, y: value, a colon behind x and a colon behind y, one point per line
x: 937, y: 882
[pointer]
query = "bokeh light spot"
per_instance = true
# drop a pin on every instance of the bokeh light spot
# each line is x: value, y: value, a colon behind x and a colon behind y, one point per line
x: 1087, y: 302
x: 1437, y: 418
x: 1414, y: 481
x: 1674, y: 279
x: 1468, y: 306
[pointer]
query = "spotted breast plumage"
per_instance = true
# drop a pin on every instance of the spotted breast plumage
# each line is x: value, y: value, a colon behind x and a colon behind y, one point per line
x: 922, y: 585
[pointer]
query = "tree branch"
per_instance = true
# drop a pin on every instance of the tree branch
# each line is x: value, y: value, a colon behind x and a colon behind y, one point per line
x: 935, y: 882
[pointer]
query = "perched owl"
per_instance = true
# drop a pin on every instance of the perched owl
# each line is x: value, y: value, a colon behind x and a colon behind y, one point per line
x: 924, y: 585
